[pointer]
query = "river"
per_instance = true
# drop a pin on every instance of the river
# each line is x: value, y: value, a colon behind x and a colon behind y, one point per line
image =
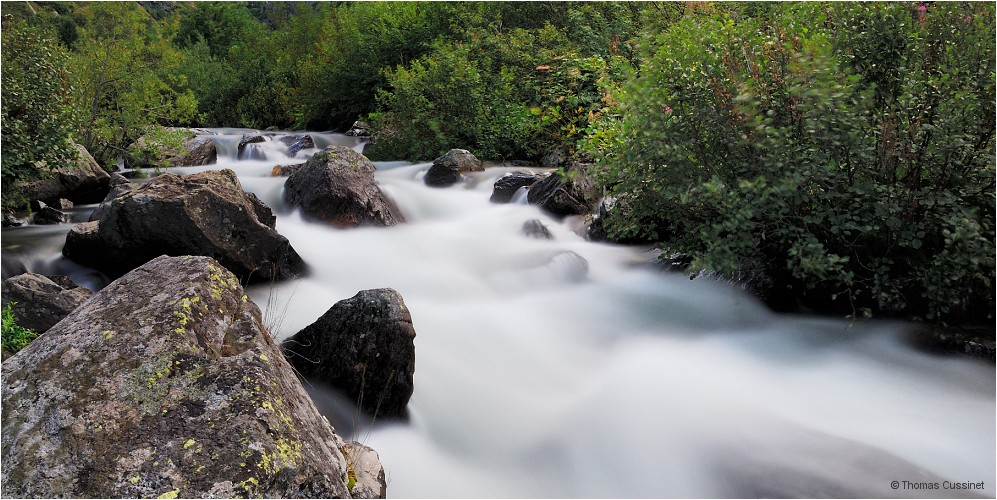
x: 566, y: 368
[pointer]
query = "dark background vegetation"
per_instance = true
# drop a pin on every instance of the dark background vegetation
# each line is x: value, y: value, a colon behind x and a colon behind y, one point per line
x: 844, y: 152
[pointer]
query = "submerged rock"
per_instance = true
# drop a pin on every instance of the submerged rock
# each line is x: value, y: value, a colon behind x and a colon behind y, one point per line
x: 447, y: 169
x: 166, y: 384
x: 202, y: 214
x: 295, y: 143
x: 42, y: 301
x: 363, y: 346
x: 337, y: 186
x: 506, y: 186
x: 536, y: 229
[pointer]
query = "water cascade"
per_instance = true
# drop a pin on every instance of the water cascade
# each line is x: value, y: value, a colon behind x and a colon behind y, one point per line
x: 566, y: 368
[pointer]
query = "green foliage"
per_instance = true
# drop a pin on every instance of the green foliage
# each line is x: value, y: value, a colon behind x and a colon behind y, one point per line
x: 509, y: 83
x: 37, y: 108
x: 358, y: 41
x: 844, y: 150
x: 13, y: 337
x: 126, y: 77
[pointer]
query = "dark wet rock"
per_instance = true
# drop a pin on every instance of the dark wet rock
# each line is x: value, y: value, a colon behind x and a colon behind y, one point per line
x: 42, y: 301
x: 80, y: 182
x: 48, y: 215
x: 506, y: 186
x: 536, y: 229
x: 448, y: 169
x: 337, y: 186
x: 202, y: 214
x: 166, y: 384
x: 557, y: 195
x: 363, y: 346
x: 295, y: 143
x: 285, y: 170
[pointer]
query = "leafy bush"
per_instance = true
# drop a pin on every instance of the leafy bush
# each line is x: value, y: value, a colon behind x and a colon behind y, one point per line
x: 509, y: 85
x: 37, y: 109
x: 13, y: 337
x: 845, y: 151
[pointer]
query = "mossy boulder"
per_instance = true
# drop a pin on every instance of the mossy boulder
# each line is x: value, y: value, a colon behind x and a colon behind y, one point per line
x: 166, y: 384
x: 337, y: 186
x: 202, y: 214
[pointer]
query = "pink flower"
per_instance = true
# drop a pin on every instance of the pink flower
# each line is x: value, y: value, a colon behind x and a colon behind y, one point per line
x: 922, y: 8
x: 668, y: 109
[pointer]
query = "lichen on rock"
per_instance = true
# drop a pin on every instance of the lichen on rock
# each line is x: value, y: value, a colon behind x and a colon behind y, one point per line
x: 164, y: 384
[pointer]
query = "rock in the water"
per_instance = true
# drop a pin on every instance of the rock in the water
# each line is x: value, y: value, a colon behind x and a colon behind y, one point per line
x: 507, y: 185
x: 41, y: 301
x: 202, y: 214
x: 295, y: 143
x: 363, y: 346
x: 165, y: 384
x: 81, y: 182
x: 337, y: 186
x: 48, y: 215
x: 536, y: 229
x: 249, y: 152
x: 199, y: 151
x: 447, y: 169
x: 559, y: 196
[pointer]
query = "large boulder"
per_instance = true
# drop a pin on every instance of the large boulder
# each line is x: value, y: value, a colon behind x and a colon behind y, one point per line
x: 80, y: 182
x: 363, y: 346
x: 42, y: 301
x: 337, y: 186
x: 448, y: 169
x: 166, y: 384
x: 202, y: 214
x: 506, y: 186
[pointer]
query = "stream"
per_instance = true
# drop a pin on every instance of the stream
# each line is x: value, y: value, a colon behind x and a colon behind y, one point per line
x: 567, y: 368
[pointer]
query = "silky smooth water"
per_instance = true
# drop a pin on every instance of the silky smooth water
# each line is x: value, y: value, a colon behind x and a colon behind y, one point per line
x: 566, y: 368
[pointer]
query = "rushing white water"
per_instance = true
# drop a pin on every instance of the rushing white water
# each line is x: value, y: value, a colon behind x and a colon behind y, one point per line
x: 542, y: 375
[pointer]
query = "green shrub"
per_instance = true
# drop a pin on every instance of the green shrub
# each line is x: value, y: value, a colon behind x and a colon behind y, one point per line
x: 846, y: 151
x: 37, y: 109
x: 13, y: 337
